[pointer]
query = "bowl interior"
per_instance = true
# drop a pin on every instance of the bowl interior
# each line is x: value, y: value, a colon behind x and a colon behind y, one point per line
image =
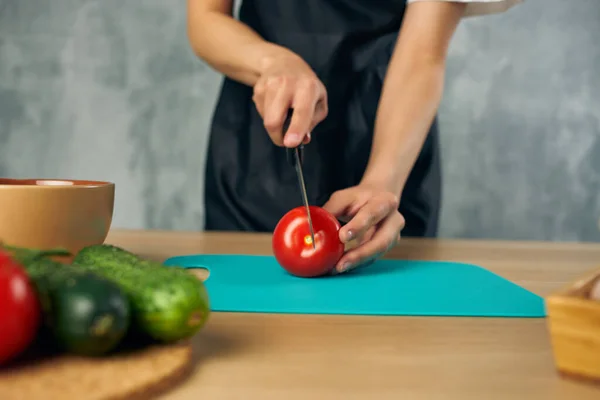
x: 51, y: 182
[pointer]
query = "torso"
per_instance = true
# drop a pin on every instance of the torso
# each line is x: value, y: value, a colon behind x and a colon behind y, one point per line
x: 249, y: 185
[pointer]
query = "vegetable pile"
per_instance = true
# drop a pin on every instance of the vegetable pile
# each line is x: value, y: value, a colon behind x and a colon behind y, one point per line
x: 91, y: 306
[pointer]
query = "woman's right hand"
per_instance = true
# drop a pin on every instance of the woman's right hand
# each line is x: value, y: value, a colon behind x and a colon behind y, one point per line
x: 287, y: 82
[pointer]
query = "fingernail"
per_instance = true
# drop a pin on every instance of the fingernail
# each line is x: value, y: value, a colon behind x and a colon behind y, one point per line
x: 344, y: 267
x: 349, y: 235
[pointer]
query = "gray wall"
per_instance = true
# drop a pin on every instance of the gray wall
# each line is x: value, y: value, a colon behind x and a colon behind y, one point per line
x: 110, y: 90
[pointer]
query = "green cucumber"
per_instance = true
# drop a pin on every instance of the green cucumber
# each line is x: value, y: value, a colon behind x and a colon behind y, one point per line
x: 84, y: 313
x: 90, y: 316
x: 168, y: 303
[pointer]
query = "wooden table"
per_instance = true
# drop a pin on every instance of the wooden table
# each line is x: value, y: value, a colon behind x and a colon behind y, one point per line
x: 256, y: 356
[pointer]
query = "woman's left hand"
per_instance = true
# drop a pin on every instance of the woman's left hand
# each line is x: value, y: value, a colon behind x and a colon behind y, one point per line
x: 373, y: 222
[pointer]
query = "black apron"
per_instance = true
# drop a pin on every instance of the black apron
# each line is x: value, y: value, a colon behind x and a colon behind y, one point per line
x: 249, y: 185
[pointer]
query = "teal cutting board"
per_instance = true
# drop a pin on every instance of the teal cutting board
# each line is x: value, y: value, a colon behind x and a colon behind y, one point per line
x: 248, y: 283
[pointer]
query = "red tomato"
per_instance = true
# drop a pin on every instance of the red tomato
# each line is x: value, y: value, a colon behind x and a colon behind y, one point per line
x: 293, y: 248
x: 20, y: 312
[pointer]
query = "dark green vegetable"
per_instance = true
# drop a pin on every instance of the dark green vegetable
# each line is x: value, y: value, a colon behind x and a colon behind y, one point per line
x: 89, y: 317
x: 168, y: 303
x: 85, y: 313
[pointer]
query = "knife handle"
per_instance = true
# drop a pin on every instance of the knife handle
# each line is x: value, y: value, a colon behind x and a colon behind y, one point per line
x: 287, y: 121
x: 290, y: 152
x: 291, y: 157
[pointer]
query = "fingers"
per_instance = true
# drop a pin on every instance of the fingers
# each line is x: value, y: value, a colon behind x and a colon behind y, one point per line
x: 369, y: 215
x: 354, y: 243
x: 273, y: 98
x: 338, y: 203
x: 386, y: 237
x: 258, y: 96
x: 307, y: 138
x: 310, y: 108
x: 277, y: 101
x: 321, y: 108
x: 305, y: 100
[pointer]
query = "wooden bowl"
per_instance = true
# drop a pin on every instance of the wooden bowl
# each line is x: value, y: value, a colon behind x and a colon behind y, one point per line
x: 51, y: 213
x: 574, y: 325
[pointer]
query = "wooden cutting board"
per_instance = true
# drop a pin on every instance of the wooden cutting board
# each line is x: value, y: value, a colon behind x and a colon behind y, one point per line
x: 134, y: 374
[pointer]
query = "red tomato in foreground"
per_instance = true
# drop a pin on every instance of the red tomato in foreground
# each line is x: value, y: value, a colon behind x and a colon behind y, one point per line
x: 20, y: 312
x: 293, y: 248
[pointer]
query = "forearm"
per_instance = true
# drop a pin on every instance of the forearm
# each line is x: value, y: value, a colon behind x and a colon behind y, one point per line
x: 412, y: 91
x: 411, y: 95
x: 226, y: 44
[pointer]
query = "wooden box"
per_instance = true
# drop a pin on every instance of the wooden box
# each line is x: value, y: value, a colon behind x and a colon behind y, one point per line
x: 574, y: 325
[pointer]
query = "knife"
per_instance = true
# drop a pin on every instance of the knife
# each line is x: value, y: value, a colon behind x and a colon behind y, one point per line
x: 295, y: 157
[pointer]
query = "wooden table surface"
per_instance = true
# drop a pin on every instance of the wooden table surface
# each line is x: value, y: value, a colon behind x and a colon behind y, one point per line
x: 260, y: 356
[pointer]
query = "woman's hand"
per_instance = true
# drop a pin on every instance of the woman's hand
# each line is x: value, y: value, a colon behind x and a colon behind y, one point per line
x: 288, y: 82
x: 374, y: 223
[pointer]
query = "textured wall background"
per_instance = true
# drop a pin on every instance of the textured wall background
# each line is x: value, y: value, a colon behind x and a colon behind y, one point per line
x: 110, y: 90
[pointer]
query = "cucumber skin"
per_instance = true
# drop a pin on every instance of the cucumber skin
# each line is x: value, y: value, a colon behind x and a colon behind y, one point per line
x: 95, y: 331
x: 53, y: 281
x: 168, y: 303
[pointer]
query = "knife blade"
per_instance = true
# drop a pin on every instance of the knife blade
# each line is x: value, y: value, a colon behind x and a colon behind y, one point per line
x: 298, y: 166
x: 295, y: 157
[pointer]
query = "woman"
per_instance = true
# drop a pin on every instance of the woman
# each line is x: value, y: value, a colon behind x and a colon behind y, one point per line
x: 364, y: 79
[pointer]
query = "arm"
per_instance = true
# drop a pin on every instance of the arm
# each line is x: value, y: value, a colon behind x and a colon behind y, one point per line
x: 226, y: 44
x: 279, y: 77
x: 411, y: 92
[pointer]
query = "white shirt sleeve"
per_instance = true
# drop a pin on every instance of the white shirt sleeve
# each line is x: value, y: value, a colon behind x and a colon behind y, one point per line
x: 481, y: 7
